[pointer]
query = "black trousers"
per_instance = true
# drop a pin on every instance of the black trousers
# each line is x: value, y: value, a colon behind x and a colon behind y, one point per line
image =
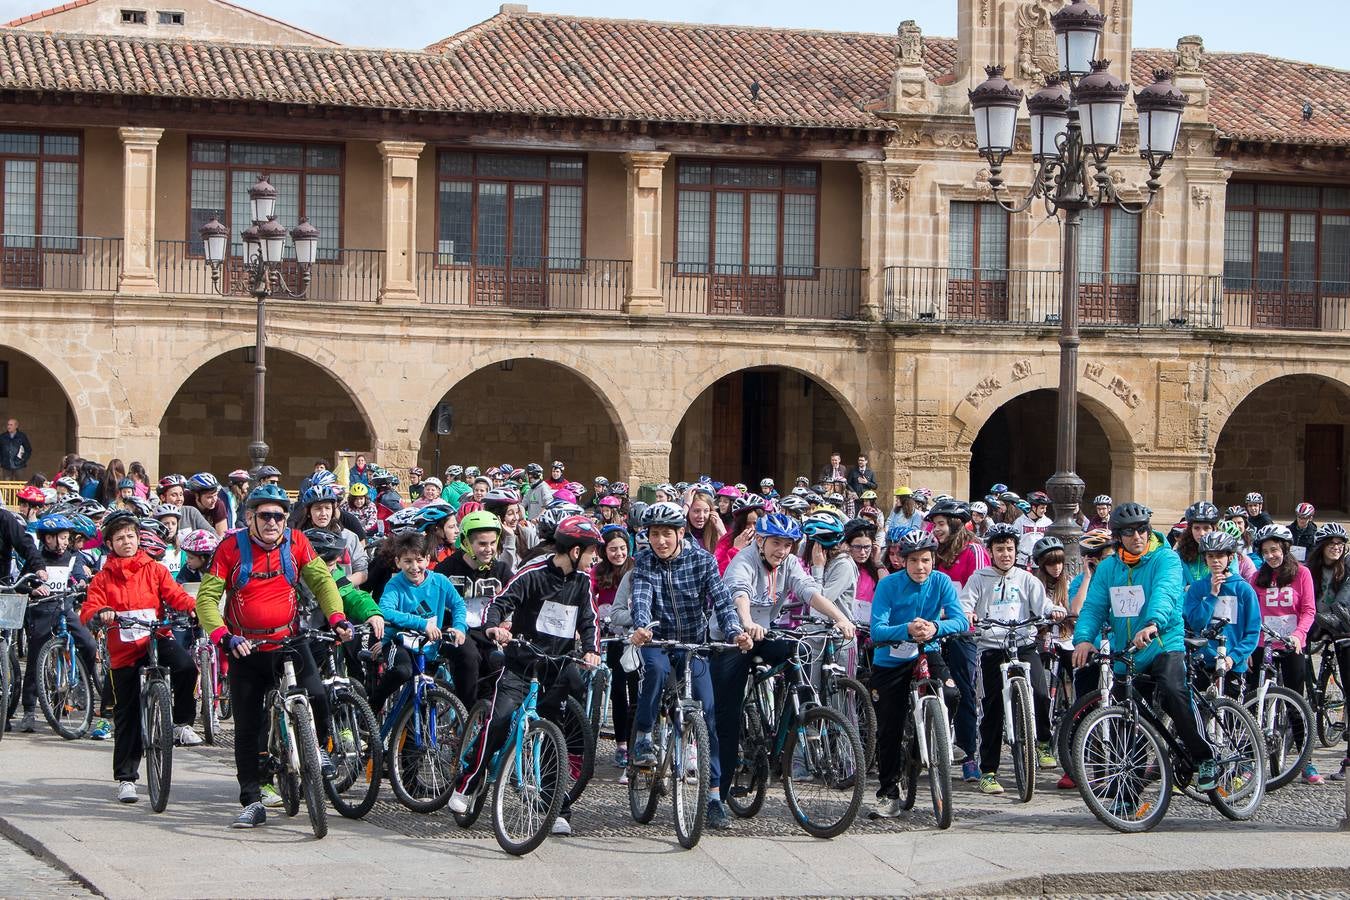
x: 251, y: 677
x: 1293, y: 674
x: 128, y: 747
x: 729, y: 671
x: 991, y: 724
x: 1168, y: 671
x: 623, y: 692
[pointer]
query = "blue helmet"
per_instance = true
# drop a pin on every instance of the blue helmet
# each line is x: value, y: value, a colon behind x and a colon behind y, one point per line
x: 432, y: 516
x: 84, y: 525
x: 52, y: 524
x: 267, y: 493
x: 896, y: 532
x: 824, y: 527
x: 610, y: 531
x: 778, y: 525
x: 321, y: 478
x: 319, y: 493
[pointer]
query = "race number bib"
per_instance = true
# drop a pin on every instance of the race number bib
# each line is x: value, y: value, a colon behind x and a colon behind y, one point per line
x: 862, y: 612
x: 603, y: 611
x: 132, y: 634
x: 1010, y: 611
x: 474, y: 608
x: 1300, y: 553
x: 557, y: 620
x: 1281, y: 625
x: 57, y: 578
x: 906, y: 651
x: 1226, y: 608
x: 1127, y: 600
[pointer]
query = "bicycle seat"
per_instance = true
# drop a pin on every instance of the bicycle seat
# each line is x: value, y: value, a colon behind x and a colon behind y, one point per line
x: 1196, y: 643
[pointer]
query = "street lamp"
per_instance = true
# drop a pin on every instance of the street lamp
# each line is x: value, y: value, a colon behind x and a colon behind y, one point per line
x: 264, y: 250
x: 1075, y: 127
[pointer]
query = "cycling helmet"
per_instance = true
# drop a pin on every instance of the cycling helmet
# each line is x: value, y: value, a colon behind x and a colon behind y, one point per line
x: 84, y: 525
x: 557, y: 502
x: 432, y: 516
x: 800, y: 490
x: 117, y: 520
x: 1331, y: 530
x: 565, y: 496
x: 577, y: 531
x: 748, y: 503
x: 321, y: 493
x: 33, y: 495
x: 778, y: 525
x: 855, y: 527
x: 728, y: 490
x: 472, y: 471
x: 1272, y: 533
x: 358, y: 490
x: 415, y: 474
x: 204, y: 481
x: 1233, y: 528
x: 52, y: 524
x: 664, y: 515
x: 49, y: 495
x: 793, y: 504
x: 917, y: 540
x: 1045, y: 545
x: 941, y: 498
x: 611, y: 501
x: 635, y: 511
x: 321, y: 478
x: 168, y: 510
x: 153, y: 545
x: 668, y: 489
x: 380, y: 475
x: 534, y: 469
x: 126, y: 484
x: 1002, y: 531
x: 923, y: 494
x: 1218, y: 541
x: 1038, y: 498
x: 814, y: 498
x: 146, y: 523
x: 1009, y: 496
x: 169, y: 481
x: 952, y: 509
x: 607, y: 533
x: 618, y: 489
x: 999, y: 488
x: 835, y: 499
x: 403, y: 520
x: 433, y: 480
x: 238, y: 476
x: 274, y: 472
x: 547, y: 523
x: 979, y: 506
x: 1254, y: 497
x: 267, y: 493
x: 502, y: 496
x: 143, y: 507
x: 1094, y: 542
x: 600, y: 481
x: 1203, y: 512
x: 1103, y: 500
x: 1024, y: 506
x: 1130, y: 514
x: 478, y: 520
x: 1305, y: 510
x: 90, y: 507
x: 576, y: 487
x: 895, y: 533
x: 824, y: 528
x: 1237, y: 511
x: 201, y: 542
x: 68, y: 483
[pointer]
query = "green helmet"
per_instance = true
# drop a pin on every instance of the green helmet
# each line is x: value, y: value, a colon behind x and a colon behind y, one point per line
x: 478, y: 520
x: 267, y: 493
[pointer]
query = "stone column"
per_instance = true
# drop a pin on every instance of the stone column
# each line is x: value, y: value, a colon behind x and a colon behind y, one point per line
x: 643, y: 231
x: 887, y: 187
x: 400, y: 221
x: 139, y: 151
x: 129, y: 442
x: 644, y: 462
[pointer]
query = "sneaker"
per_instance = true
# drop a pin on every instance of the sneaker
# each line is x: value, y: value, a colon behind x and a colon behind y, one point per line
x: 561, y: 827
x: 1310, y: 775
x: 621, y: 757
x: 126, y: 792
x: 1340, y: 776
x: 1207, y: 778
x: 1066, y: 783
x: 101, y: 731
x: 970, y: 771
x: 717, y: 819
x: 691, y: 762
x: 623, y: 776
x: 1124, y: 809
x: 346, y: 740
x: 28, y: 724
x: 270, y: 797
x: 253, y: 815
x: 644, y: 755
x: 1047, y: 756
x: 184, y: 736
x: 459, y: 802
x: 989, y: 784
x: 887, y: 808
x: 326, y: 765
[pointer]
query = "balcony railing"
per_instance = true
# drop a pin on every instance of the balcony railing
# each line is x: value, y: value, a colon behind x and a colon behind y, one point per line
x: 1032, y: 297
x: 1286, y: 303
x: 347, y: 276
x: 523, y: 283
x: 59, y: 263
x: 799, y: 292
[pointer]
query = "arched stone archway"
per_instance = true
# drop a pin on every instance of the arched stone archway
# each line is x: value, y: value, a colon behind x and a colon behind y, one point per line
x: 310, y: 414
x: 32, y: 394
x: 1016, y: 446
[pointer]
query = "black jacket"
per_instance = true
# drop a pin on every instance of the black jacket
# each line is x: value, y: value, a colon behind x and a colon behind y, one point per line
x: 15, y: 451
x: 534, y: 585
x: 16, y: 539
x: 860, y: 480
x: 1304, y: 537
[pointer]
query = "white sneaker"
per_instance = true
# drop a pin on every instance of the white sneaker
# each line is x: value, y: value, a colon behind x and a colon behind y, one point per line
x: 126, y: 792
x: 459, y: 802
x: 562, y: 827
x: 691, y: 762
x: 887, y: 808
x: 184, y: 736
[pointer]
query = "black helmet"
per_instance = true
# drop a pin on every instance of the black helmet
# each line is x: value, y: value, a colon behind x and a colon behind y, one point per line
x: 1331, y: 530
x: 1203, y: 512
x: 1130, y: 514
x: 1045, y: 545
x: 855, y: 527
x: 949, y: 508
x: 1038, y: 498
x: 328, y: 545
x: 1002, y: 531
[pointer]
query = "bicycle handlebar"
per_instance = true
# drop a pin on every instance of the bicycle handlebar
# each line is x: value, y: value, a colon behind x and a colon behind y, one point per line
x: 695, y: 647
x: 1001, y: 623
x: 173, y: 620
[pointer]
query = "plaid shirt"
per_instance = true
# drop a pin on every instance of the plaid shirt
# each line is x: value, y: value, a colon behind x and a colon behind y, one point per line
x: 672, y: 593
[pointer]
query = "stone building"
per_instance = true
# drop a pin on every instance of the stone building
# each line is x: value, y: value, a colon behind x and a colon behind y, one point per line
x: 658, y: 249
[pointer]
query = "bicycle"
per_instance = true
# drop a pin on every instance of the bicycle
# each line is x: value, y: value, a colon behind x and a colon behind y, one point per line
x: 12, y: 608
x: 292, y: 743
x: 213, y: 685
x: 848, y: 697
x: 1019, y: 713
x: 1127, y: 760
x: 1328, y: 694
x: 808, y: 743
x: 156, y: 703
x: 681, y: 743
x: 595, y: 689
x: 926, y: 740
x: 528, y: 773
x: 1278, y: 710
x: 354, y: 745
x: 1085, y: 703
x: 65, y: 686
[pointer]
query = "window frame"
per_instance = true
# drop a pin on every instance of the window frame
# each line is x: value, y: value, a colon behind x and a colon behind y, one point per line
x: 166, y: 17
x: 712, y: 189
x: 1108, y: 268
x: 40, y: 158
x: 980, y: 207
x: 474, y: 179
x: 1319, y: 211
x: 129, y: 17
x: 228, y: 168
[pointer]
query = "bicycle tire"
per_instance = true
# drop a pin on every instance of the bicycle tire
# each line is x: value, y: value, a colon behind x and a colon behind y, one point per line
x: 692, y: 738
x: 576, y: 729
x: 644, y: 782
x: 909, y: 778
x: 158, y: 743
x: 546, y: 752
x: 311, y: 776
x: 5, y: 684
x: 1277, y: 721
x: 596, y: 697
x: 1242, y: 777
x: 750, y: 781
x: 834, y: 758
x: 356, y: 787
x: 223, y: 687
x: 473, y: 728
x: 434, y: 765
x: 1331, y: 725
x: 849, y: 698
x: 206, y: 680
x: 1097, y: 743
x: 64, y: 686
x: 939, y: 760
x: 1023, y: 747
x: 1065, y: 727
x: 287, y: 782
x: 15, y: 680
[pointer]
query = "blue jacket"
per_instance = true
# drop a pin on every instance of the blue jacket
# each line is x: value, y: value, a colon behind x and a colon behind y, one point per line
x: 408, y: 607
x: 1244, y: 629
x: 898, y: 600
x: 1159, y: 574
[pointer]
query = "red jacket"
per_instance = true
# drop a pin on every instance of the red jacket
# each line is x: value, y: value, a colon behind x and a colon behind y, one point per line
x: 138, y: 585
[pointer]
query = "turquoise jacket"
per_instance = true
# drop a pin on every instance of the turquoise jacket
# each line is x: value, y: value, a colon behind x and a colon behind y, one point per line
x: 898, y: 600
x: 1244, y: 628
x: 1199, y: 570
x: 407, y: 607
x: 1159, y: 574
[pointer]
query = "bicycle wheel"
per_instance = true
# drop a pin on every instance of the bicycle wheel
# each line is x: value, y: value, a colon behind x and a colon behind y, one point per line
x: 15, y: 680
x: 5, y: 684
x: 1238, y: 751
x: 530, y: 788
x: 939, y: 760
x: 1024, y: 740
x: 596, y: 698
x: 850, y: 699
x: 158, y: 742
x: 750, y: 781
x: 1283, y: 713
x: 223, y: 686
x: 1124, y: 772
x: 424, y: 750
x: 64, y: 690
x: 689, y: 790
x: 644, y: 782
x: 1068, y: 724
x: 1331, y: 709
x: 279, y: 751
x: 206, y: 679
x: 354, y: 747
x: 909, y: 774
x: 473, y: 731
x: 311, y: 777
x: 575, y: 726
x: 823, y: 774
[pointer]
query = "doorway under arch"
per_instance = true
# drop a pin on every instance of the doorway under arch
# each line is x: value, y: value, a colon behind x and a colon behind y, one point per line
x: 1016, y: 447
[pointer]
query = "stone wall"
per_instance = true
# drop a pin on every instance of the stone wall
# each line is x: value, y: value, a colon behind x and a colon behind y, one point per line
x: 34, y: 397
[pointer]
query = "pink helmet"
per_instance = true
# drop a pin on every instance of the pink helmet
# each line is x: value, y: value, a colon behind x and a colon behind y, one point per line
x: 199, y: 541
x: 728, y: 491
x: 565, y: 494
x: 1304, y: 510
x: 611, y: 501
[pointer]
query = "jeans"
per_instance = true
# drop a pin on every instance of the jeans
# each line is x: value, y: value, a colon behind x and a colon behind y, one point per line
x: 655, y: 671
x: 126, y: 691
x: 960, y: 654
x: 729, y: 674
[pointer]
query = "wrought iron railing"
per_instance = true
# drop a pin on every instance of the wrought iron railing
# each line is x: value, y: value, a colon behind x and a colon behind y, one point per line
x: 33, y: 262
x: 340, y: 276
x: 523, y: 282
x: 796, y: 292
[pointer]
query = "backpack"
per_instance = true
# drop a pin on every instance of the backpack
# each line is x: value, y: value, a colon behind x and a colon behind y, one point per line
x: 245, y: 570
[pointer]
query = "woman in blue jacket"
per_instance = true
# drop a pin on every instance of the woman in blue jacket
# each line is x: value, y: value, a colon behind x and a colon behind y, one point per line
x: 1224, y: 595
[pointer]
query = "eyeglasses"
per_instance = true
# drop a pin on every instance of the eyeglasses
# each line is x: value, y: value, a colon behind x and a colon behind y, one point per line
x: 1129, y: 530
x: 861, y: 548
x: 271, y: 516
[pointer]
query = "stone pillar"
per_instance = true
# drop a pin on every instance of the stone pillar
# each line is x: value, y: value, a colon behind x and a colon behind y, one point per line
x: 128, y: 443
x: 644, y: 462
x: 139, y: 151
x: 886, y: 190
x: 643, y: 230
x: 400, y: 221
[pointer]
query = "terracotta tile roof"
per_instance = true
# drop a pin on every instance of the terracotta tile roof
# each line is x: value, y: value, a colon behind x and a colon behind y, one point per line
x: 44, y: 13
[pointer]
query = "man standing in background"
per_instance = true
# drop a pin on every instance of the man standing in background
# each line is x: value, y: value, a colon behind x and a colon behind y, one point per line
x: 15, y: 451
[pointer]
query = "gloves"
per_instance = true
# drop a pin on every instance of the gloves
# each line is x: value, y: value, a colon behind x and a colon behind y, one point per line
x: 342, y: 625
x: 231, y: 642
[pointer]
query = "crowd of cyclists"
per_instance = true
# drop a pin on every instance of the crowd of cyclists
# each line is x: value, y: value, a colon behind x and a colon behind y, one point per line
x: 516, y: 585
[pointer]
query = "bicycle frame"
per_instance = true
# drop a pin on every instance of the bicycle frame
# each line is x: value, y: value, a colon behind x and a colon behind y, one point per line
x: 1010, y: 668
x: 414, y: 692
x: 922, y: 686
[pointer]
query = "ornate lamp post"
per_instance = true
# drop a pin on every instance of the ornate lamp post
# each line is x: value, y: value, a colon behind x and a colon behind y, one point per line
x: 1075, y: 127
x: 264, y: 249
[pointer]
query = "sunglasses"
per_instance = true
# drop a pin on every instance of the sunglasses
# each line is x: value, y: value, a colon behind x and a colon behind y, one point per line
x: 271, y: 516
x: 1129, y: 530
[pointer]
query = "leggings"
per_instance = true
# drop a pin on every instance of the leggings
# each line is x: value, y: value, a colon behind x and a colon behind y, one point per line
x: 623, y: 692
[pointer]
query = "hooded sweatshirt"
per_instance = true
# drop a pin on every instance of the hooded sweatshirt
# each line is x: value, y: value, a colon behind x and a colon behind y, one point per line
x: 1131, y: 597
x: 1235, y: 602
x: 136, y: 586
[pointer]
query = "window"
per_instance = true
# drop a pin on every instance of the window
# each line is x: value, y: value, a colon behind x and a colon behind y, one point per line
x: 1287, y: 238
x: 133, y: 17
x: 40, y: 190
x: 308, y: 179
x: 978, y: 241
x: 170, y: 18
x: 510, y: 209
x: 1108, y: 244
x: 747, y: 218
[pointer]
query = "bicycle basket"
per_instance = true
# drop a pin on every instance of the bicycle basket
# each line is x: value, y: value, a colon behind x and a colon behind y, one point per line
x: 12, y: 607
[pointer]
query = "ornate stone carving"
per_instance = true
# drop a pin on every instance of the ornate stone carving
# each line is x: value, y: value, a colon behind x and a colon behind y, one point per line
x: 900, y: 185
x: 1200, y: 195
x: 1021, y: 369
x: 1036, y: 55
x: 910, y: 49
x: 1096, y: 372
x: 1189, y: 51
x: 1115, y: 16
x: 941, y: 139
x: 983, y: 390
x: 984, y: 12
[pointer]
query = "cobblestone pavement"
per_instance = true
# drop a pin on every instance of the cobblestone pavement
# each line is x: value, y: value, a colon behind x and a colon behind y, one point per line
x: 24, y: 875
